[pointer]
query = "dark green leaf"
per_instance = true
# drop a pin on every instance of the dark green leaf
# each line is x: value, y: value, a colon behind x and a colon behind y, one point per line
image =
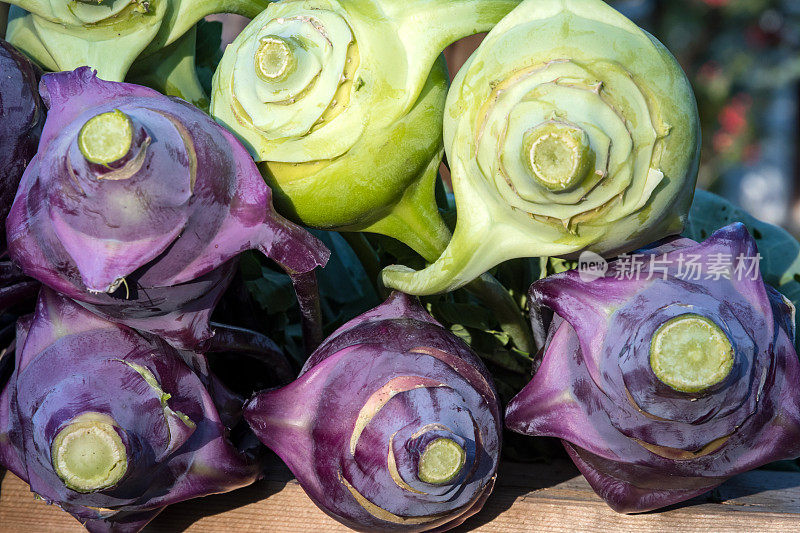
x: 780, y: 252
x: 209, y: 51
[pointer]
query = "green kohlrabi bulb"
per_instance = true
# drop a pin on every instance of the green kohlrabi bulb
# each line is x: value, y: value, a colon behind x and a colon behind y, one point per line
x: 108, y: 35
x: 342, y: 103
x: 569, y: 129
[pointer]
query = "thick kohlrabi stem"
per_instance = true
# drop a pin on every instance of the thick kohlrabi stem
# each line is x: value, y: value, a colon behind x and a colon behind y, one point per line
x: 88, y: 453
x: 429, y: 237
x: 239, y: 340
x: 690, y: 353
x: 283, y: 423
x: 459, y: 18
x: 181, y: 19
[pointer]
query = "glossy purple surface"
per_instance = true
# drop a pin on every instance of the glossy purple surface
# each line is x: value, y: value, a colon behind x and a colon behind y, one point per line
x: 22, y: 115
x: 149, y: 241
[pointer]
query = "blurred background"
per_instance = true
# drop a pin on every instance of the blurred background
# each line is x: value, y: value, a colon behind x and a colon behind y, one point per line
x: 743, y: 59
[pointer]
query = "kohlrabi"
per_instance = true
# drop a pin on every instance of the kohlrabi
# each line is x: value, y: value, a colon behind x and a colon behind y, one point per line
x: 393, y: 424
x: 342, y: 104
x: 137, y: 205
x: 108, y: 35
x: 113, y: 425
x: 22, y: 115
x: 667, y: 373
x: 569, y: 129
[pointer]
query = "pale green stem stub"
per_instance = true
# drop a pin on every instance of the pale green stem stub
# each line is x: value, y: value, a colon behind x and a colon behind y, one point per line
x: 690, y: 353
x: 88, y: 453
x: 106, y: 138
x: 441, y: 461
x: 558, y: 154
x: 274, y: 59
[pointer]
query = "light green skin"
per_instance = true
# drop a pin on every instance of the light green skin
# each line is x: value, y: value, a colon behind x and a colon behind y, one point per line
x: 372, y: 167
x: 109, y: 35
x: 648, y: 160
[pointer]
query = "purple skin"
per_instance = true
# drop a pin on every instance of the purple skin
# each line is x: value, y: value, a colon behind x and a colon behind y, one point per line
x: 149, y: 240
x: 70, y: 362
x: 595, y: 371
x: 386, y: 385
x: 22, y: 115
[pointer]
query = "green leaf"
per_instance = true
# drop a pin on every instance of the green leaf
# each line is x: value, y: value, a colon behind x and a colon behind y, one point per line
x: 780, y: 252
x: 209, y: 51
x: 466, y: 315
x: 462, y: 333
x: 344, y: 283
x: 272, y: 291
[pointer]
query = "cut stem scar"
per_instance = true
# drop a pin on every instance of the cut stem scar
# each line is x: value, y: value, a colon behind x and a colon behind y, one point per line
x: 274, y: 58
x: 690, y: 353
x: 558, y: 154
x: 88, y: 454
x: 106, y: 138
x: 441, y: 461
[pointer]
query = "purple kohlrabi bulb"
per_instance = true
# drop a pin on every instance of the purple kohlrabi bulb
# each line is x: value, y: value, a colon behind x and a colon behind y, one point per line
x: 393, y: 424
x: 667, y: 374
x: 22, y: 115
x: 113, y: 425
x: 137, y: 204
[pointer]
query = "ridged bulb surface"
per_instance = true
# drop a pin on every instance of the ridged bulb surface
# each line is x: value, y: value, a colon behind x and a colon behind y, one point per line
x: 393, y: 424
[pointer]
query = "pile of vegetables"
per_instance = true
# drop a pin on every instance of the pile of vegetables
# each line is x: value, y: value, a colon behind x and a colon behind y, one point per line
x: 149, y: 354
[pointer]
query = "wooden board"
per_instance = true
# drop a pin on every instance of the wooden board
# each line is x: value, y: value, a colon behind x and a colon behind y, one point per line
x: 532, y: 497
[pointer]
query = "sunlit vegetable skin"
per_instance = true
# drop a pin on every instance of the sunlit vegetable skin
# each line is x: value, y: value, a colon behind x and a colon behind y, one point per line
x: 641, y: 443
x: 173, y: 432
x: 22, y: 115
x: 581, y: 66
x: 357, y: 147
x: 150, y: 240
x: 108, y: 35
x: 355, y: 425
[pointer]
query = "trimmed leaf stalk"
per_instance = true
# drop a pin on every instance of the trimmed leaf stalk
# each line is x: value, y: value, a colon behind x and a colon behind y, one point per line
x: 230, y: 339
